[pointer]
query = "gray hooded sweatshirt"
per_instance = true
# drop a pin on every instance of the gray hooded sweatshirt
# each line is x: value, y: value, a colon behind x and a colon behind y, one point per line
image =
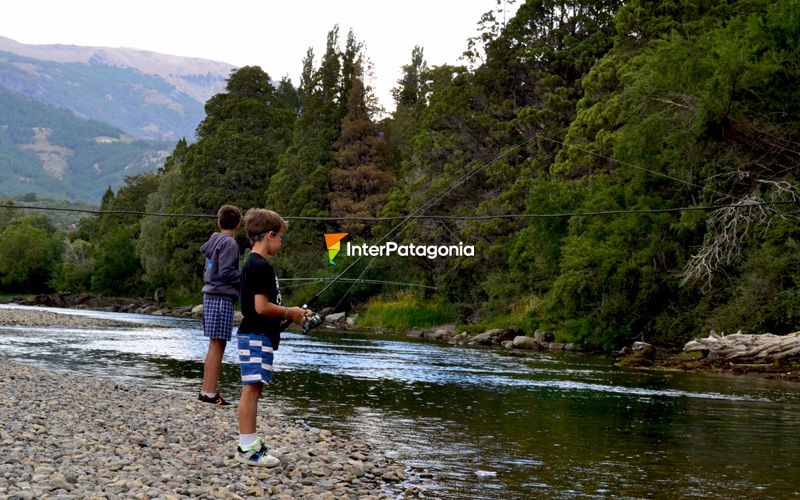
x: 221, y: 275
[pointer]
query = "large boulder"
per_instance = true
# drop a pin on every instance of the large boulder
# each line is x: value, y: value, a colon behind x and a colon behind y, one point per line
x: 442, y: 334
x: 335, y: 318
x: 525, y: 342
x: 495, y: 336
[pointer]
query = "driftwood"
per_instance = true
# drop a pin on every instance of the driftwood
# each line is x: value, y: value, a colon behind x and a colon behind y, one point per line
x: 745, y: 348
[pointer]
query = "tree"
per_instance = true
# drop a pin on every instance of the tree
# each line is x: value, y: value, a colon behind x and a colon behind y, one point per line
x: 117, y: 269
x: 29, y: 255
x: 245, y: 131
x: 361, y: 180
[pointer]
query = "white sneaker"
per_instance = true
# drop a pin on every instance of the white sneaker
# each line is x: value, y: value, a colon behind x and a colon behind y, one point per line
x: 257, y: 455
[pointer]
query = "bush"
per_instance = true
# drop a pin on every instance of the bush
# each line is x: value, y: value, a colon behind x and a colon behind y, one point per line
x: 29, y: 256
x: 407, y: 311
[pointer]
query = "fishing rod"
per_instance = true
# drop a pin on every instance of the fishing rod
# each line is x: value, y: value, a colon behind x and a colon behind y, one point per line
x: 315, y: 319
x: 310, y: 281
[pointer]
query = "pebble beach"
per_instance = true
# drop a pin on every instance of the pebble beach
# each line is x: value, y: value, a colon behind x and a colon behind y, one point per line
x: 35, y: 317
x: 70, y: 436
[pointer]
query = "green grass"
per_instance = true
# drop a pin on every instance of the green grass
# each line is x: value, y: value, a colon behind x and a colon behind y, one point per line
x: 406, y: 312
x: 7, y: 297
x: 181, y: 298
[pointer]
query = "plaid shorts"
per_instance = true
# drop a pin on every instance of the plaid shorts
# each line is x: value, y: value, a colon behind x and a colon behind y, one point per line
x: 255, y: 358
x: 217, y: 318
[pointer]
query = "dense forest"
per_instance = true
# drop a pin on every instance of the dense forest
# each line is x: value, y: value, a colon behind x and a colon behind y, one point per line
x: 644, y: 156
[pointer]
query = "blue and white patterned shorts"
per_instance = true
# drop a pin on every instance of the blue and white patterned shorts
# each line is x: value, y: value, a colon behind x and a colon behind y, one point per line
x: 217, y: 318
x: 255, y: 358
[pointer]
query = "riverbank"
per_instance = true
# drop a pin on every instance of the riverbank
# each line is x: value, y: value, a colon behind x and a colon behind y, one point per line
x: 36, y: 318
x: 68, y: 435
x: 509, y: 340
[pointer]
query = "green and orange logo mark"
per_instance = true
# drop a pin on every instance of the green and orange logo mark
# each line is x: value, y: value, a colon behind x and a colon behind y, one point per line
x: 333, y: 242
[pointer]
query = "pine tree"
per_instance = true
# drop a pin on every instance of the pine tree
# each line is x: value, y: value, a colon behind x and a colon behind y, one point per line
x: 361, y: 180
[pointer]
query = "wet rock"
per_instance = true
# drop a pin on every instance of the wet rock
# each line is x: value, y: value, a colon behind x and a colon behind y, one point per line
x: 416, y: 333
x: 440, y: 334
x: 640, y: 355
x: 460, y: 339
x: 495, y: 337
x: 543, y: 338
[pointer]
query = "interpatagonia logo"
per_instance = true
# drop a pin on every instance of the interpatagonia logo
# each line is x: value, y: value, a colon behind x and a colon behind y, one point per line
x: 333, y: 242
x: 391, y: 248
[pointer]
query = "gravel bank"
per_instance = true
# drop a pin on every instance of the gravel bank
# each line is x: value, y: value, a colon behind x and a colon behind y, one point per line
x: 32, y: 317
x: 69, y: 436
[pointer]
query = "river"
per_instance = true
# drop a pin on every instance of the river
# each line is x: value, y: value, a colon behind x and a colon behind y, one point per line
x: 478, y: 423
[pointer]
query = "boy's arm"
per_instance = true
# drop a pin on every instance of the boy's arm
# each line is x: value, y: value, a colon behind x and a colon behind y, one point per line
x: 266, y: 308
x: 228, y: 263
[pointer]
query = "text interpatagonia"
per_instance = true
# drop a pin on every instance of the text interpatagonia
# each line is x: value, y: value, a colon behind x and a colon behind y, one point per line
x: 411, y: 250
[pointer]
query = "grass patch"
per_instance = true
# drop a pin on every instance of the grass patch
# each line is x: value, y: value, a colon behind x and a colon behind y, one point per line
x: 522, y: 314
x: 181, y: 298
x: 405, y: 312
x: 8, y: 297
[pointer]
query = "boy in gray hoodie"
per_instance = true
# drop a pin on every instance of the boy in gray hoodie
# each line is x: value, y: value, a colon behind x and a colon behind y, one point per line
x: 220, y: 292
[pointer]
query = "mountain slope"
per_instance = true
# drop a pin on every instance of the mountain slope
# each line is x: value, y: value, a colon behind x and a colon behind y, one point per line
x: 51, y: 152
x: 147, y: 95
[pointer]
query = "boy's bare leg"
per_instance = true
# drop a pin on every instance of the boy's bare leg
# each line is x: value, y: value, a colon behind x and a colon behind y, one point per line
x: 213, y: 365
x: 248, y: 407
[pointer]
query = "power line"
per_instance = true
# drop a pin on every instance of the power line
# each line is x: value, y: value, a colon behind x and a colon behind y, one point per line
x: 623, y: 162
x: 428, y: 217
x: 108, y: 212
x: 308, y: 281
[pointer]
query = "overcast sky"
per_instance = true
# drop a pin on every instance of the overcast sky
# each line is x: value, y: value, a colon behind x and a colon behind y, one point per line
x: 270, y: 34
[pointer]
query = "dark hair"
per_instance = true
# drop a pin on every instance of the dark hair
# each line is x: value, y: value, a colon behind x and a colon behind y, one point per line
x: 258, y: 222
x: 229, y: 217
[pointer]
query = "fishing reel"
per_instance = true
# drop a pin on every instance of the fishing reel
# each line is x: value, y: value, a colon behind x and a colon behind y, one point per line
x: 312, y: 321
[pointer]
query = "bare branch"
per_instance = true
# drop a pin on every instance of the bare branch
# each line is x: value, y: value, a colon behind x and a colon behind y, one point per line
x: 728, y: 230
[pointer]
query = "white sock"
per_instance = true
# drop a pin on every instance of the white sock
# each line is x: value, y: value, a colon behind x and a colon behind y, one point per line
x: 208, y: 394
x: 245, y: 440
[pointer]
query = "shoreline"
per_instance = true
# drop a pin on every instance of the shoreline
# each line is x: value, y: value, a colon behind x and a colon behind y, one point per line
x: 66, y: 434
x: 444, y: 334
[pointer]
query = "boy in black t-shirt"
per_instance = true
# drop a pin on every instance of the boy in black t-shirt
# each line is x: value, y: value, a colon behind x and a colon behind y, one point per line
x: 259, y: 332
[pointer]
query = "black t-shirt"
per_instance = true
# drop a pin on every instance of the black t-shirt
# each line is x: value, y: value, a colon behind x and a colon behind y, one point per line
x: 258, y: 278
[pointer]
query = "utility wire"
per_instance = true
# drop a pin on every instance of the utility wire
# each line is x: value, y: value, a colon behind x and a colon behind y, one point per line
x: 428, y: 217
x: 623, y: 162
x: 308, y: 281
x: 425, y: 206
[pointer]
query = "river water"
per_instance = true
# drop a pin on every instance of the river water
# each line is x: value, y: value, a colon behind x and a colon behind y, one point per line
x: 478, y: 422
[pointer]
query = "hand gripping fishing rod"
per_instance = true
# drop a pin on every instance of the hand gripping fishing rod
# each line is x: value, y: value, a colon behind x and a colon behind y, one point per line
x: 315, y: 319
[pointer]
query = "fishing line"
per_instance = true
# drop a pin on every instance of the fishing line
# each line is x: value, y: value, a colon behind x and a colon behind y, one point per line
x: 432, y: 201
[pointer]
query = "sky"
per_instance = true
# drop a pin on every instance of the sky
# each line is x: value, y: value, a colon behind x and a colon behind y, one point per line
x: 270, y: 34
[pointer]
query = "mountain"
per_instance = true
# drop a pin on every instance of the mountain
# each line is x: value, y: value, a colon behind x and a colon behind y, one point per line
x: 54, y: 153
x: 146, y: 94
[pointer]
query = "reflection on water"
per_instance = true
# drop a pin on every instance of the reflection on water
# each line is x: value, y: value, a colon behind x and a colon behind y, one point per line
x: 487, y: 425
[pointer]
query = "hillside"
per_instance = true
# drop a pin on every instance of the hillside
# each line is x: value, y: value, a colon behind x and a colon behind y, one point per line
x: 52, y: 152
x: 147, y: 95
